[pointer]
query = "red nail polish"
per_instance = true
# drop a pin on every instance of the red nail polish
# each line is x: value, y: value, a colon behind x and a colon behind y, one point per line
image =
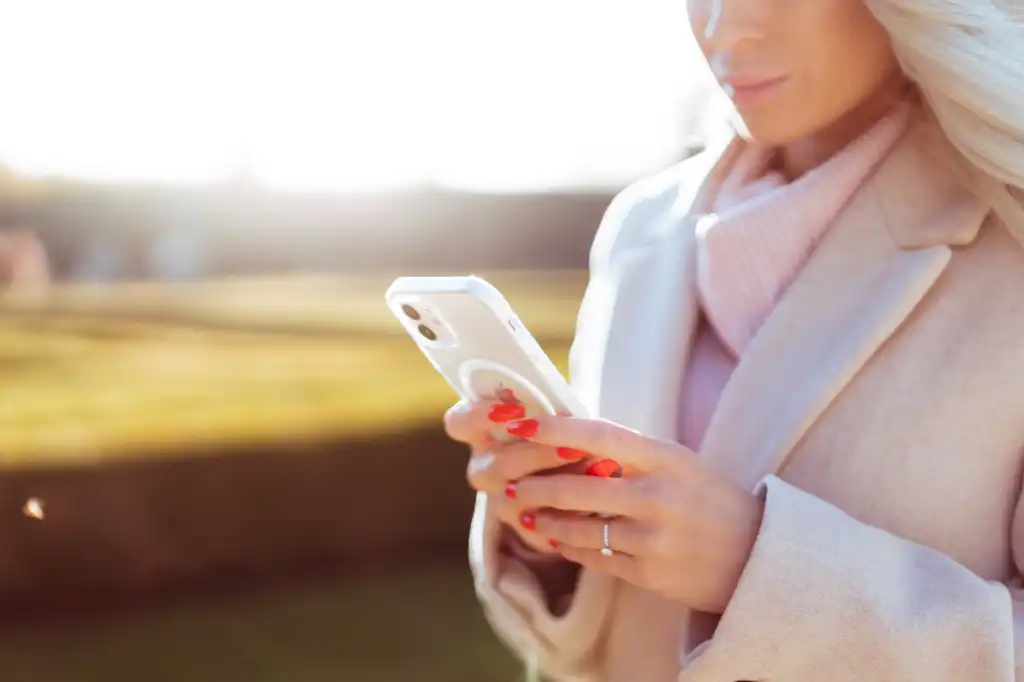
x: 571, y: 454
x: 503, y: 413
x: 528, y: 522
x: 553, y: 543
x: 606, y: 468
x: 510, y: 490
x: 524, y: 429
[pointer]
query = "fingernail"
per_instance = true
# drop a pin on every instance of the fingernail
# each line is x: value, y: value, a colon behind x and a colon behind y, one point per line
x: 553, y: 543
x: 510, y: 490
x: 504, y: 413
x: 606, y: 468
x: 524, y: 429
x: 571, y: 453
x: 528, y: 521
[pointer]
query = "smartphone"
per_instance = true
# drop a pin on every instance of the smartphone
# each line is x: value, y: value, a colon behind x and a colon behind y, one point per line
x: 469, y: 332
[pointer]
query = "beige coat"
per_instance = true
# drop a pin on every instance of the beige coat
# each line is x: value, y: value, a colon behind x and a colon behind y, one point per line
x: 881, y: 411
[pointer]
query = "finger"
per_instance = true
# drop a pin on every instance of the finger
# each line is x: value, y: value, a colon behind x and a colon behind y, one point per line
x: 618, y: 565
x: 569, y: 492
x: 520, y: 460
x: 512, y: 516
x: 478, y: 472
x: 586, y: 532
x: 600, y: 437
x: 506, y: 511
x: 471, y: 421
x: 491, y: 470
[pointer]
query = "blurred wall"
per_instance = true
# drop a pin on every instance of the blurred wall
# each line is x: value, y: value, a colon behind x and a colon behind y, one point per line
x: 111, y: 233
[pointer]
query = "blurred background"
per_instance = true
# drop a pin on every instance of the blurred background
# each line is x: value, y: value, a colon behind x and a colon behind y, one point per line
x: 221, y: 457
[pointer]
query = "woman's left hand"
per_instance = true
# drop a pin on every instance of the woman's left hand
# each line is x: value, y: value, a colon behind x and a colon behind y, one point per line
x: 682, y: 530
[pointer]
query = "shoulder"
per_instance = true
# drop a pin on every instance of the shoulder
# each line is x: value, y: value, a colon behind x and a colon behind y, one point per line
x: 643, y: 204
x: 996, y: 255
x: 989, y: 272
x: 980, y: 300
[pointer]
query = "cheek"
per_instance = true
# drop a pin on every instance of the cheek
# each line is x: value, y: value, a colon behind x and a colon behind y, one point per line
x: 856, y: 61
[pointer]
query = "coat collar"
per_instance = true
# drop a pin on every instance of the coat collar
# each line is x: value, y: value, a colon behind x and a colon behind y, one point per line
x: 882, y: 255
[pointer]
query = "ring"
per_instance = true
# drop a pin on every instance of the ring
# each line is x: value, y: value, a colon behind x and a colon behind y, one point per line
x: 607, y: 550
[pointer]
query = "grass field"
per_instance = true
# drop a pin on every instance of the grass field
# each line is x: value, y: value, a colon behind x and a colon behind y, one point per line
x: 100, y: 372
x: 94, y: 374
x: 395, y: 626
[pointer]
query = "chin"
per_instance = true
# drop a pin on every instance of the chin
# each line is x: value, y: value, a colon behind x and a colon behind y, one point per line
x: 770, y: 131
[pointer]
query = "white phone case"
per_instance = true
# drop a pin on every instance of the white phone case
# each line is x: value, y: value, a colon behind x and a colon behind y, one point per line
x: 470, y: 334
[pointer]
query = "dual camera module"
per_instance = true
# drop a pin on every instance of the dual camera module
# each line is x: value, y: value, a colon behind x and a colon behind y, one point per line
x: 423, y: 329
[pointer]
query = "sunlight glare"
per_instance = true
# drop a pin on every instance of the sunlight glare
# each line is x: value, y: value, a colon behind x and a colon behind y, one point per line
x: 339, y: 95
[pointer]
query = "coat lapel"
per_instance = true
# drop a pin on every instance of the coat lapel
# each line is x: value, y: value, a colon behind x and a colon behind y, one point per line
x: 651, y: 312
x: 654, y: 316
x: 878, y: 260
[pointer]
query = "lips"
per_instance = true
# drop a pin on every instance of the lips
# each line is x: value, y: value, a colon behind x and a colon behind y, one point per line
x: 751, y: 83
x: 750, y: 90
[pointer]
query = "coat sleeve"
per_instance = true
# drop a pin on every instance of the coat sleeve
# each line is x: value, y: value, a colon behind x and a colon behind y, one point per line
x: 826, y: 597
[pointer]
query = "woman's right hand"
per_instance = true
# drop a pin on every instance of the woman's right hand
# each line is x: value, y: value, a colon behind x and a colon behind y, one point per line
x: 494, y: 466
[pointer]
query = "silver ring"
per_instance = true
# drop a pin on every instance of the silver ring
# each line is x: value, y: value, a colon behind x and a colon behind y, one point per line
x: 607, y: 550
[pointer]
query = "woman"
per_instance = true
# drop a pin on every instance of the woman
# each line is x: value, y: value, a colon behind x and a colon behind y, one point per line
x: 805, y: 350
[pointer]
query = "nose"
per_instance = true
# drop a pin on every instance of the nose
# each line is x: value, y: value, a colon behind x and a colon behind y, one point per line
x: 730, y: 22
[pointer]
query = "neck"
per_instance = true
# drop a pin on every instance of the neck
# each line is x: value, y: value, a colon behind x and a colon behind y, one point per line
x: 797, y: 158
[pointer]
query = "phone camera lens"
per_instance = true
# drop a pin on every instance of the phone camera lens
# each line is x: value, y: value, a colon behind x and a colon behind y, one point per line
x: 427, y: 332
x: 410, y: 312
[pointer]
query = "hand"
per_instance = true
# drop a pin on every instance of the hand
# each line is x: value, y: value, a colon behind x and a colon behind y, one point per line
x: 683, y: 531
x: 493, y: 465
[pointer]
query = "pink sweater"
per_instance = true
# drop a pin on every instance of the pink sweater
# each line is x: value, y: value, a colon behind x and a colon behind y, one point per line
x: 750, y: 249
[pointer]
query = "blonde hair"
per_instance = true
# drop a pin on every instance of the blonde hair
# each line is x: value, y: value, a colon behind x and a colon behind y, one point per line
x: 965, y: 58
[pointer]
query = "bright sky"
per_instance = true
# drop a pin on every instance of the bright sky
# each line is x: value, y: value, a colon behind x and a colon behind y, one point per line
x: 345, y: 94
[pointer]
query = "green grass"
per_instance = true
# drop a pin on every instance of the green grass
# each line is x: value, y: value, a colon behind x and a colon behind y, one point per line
x: 94, y: 373
x: 422, y: 624
x: 545, y: 300
x: 100, y: 372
